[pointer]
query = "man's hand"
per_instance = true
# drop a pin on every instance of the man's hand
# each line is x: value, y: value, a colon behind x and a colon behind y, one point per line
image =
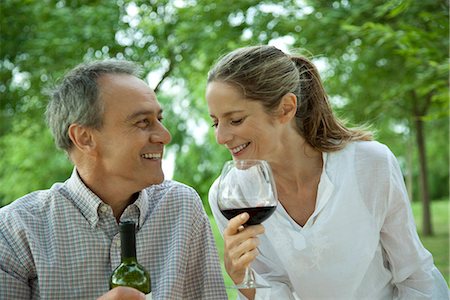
x: 122, y: 293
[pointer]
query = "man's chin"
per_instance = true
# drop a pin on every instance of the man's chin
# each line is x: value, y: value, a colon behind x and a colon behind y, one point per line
x: 156, y: 180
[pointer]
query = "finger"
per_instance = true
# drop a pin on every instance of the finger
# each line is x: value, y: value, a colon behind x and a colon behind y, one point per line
x: 235, y: 223
x: 246, y: 259
x: 255, y: 230
x: 236, y: 267
x: 123, y: 292
x: 250, y: 231
x: 246, y: 246
x: 231, y: 242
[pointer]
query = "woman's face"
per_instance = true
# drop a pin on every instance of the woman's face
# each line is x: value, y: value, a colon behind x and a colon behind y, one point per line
x: 242, y: 125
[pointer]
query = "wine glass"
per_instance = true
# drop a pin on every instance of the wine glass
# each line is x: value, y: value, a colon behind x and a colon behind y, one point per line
x: 247, y: 186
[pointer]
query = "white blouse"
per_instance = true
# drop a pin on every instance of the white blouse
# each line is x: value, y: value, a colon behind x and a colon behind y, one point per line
x: 360, y: 242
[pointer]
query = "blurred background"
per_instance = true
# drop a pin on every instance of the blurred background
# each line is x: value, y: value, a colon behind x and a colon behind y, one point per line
x: 385, y: 63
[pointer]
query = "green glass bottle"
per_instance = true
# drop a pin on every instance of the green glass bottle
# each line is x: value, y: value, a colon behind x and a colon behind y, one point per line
x: 130, y: 272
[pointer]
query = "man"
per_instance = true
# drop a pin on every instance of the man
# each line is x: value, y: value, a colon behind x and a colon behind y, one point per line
x: 63, y: 243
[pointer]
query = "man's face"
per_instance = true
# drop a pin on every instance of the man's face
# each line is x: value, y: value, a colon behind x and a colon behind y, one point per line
x: 129, y: 145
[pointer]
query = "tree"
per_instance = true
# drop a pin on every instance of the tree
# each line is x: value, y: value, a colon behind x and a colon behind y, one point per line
x: 183, y: 40
x: 42, y: 44
x: 385, y: 56
x: 39, y: 41
x: 364, y: 44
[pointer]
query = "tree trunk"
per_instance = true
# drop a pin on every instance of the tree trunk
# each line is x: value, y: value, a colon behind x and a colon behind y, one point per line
x: 427, y: 228
x: 409, y: 169
x: 419, y: 112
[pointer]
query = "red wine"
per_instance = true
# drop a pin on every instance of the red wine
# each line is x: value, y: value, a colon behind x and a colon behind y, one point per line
x: 257, y: 214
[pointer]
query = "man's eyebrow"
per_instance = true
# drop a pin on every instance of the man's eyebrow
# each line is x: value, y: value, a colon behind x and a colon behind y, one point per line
x: 145, y: 112
x: 228, y: 113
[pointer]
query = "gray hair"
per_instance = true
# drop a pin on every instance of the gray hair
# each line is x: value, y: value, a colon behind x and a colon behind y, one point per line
x: 76, y: 98
x: 265, y: 74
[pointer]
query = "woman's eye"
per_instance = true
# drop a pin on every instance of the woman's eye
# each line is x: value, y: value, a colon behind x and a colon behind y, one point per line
x: 236, y: 122
x: 231, y: 122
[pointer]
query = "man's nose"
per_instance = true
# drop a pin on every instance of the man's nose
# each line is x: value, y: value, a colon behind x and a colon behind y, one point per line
x: 161, y: 135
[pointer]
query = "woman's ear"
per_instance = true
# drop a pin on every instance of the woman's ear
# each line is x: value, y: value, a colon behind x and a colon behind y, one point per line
x: 81, y: 138
x: 287, y: 108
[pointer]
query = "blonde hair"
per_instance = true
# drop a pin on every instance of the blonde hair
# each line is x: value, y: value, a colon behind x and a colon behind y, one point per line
x: 266, y: 74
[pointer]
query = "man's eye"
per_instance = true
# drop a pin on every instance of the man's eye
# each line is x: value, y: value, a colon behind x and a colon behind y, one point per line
x: 143, y: 123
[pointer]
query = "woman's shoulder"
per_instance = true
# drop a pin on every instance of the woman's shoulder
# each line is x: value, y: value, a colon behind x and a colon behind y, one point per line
x: 372, y: 152
x: 213, y: 190
x: 370, y: 147
x: 363, y: 159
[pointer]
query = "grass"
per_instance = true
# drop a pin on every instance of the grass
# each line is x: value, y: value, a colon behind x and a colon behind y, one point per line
x: 232, y: 294
x: 438, y: 244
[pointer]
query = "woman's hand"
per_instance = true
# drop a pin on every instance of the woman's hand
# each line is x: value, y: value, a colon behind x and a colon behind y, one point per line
x: 122, y: 293
x: 240, y: 246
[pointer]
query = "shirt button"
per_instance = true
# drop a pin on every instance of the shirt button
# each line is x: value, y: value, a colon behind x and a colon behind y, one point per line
x: 118, y: 243
x: 103, y: 208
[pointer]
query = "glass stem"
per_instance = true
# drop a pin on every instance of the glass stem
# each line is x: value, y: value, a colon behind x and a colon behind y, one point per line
x: 249, y: 277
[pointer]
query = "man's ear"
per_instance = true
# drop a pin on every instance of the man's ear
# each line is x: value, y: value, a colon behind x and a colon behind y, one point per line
x: 287, y: 107
x: 82, y: 138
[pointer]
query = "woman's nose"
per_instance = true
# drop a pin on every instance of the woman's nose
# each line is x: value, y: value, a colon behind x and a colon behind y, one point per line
x: 223, y: 135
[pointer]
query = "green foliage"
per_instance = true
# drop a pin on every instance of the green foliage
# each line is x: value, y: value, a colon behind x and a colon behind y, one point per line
x: 389, y: 65
x: 383, y: 60
x: 26, y: 164
x: 200, y: 166
x: 39, y: 41
x: 386, y: 53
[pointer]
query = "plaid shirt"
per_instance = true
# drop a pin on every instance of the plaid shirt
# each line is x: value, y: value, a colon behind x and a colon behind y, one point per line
x: 63, y: 243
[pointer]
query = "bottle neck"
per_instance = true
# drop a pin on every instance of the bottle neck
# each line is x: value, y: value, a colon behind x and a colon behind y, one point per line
x: 128, y: 242
x: 128, y: 260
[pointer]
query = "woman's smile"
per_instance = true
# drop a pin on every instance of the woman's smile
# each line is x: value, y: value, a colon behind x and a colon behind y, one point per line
x: 238, y: 150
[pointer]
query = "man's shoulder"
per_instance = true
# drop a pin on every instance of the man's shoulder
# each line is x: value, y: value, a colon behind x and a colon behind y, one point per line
x: 30, y: 202
x: 172, y: 194
x: 31, y: 206
x: 172, y: 186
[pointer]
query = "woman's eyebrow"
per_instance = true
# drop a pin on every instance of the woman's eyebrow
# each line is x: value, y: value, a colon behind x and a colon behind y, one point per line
x: 228, y: 113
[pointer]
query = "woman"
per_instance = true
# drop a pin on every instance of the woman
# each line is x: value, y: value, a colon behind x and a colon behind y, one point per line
x: 344, y: 227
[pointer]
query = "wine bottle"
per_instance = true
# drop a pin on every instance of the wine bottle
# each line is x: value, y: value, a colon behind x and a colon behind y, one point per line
x: 130, y: 272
